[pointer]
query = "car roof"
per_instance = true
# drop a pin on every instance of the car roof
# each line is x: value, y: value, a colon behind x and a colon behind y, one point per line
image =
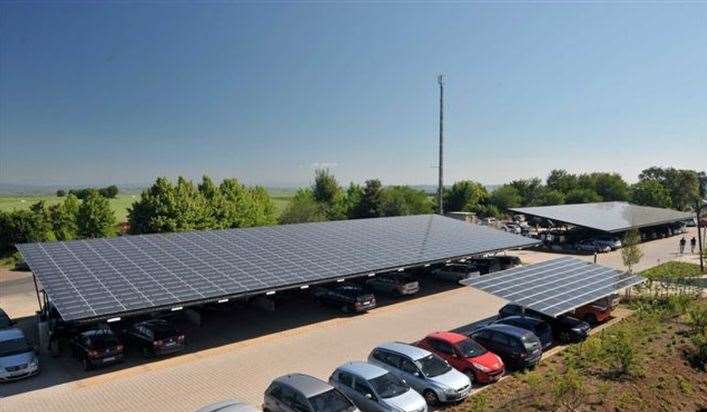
x: 403, y: 348
x: 508, y: 329
x: 365, y: 370
x: 308, y: 385
x: 11, y: 334
x: 450, y: 337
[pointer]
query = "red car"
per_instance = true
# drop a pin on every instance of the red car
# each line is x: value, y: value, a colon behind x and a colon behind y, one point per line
x: 597, y: 311
x: 465, y: 355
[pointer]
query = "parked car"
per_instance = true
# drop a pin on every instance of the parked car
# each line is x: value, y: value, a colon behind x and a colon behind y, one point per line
x: 96, y: 347
x: 486, y: 265
x: 455, y: 272
x: 610, y: 241
x: 228, y: 406
x: 519, y: 348
x: 374, y: 389
x: 350, y: 298
x: 540, y: 328
x: 156, y: 337
x: 589, y: 245
x: 298, y: 392
x: 395, y: 284
x: 465, y: 355
x: 5, y: 321
x: 424, y: 371
x: 512, y: 228
x: 565, y: 328
x: 17, y: 358
x: 597, y: 311
x: 691, y: 222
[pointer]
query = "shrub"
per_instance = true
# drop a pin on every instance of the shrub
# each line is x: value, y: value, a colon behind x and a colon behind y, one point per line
x: 697, y: 319
x: 568, y: 389
x: 620, y: 352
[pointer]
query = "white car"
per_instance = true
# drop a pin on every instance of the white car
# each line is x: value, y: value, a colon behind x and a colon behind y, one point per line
x: 18, y: 359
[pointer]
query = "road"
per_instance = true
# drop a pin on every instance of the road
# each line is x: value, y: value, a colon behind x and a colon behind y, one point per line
x: 242, y: 351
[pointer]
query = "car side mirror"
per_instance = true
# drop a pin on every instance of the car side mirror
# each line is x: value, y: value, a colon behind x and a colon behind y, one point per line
x: 368, y: 396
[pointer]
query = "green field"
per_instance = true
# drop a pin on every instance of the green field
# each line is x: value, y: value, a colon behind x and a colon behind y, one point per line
x: 120, y: 204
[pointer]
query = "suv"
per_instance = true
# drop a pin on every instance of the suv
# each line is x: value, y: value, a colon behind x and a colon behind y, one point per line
x: 17, y: 359
x: 350, y: 298
x: 465, y: 355
x: 565, y: 328
x: 400, y: 285
x: 517, y: 347
x: 599, y: 310
x: 303, y: 393
x: 156, y: 337
x: 374, y: 389
x: 455, y: 272
x: 540, y: 328
x: 425, y: 372
x: 96, y: 348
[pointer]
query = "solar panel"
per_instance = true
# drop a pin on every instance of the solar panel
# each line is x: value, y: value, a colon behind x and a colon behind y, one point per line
x: 96, y: 278
x: 607, y: 216
x: 556, y: 286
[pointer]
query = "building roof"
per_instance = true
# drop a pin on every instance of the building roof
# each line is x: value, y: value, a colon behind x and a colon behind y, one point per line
x: 606, y: 216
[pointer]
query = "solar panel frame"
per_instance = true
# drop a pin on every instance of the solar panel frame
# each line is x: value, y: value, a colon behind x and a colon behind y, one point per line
x: 555, y: 286
x: 95, y: 279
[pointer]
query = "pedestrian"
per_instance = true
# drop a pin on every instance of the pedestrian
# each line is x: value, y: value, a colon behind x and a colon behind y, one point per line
x: 693, y: 243
x: 683, y: 241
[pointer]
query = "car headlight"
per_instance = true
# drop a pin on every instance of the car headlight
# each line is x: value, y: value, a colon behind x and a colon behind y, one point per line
x: 450, y: 391
x: 480, y: 367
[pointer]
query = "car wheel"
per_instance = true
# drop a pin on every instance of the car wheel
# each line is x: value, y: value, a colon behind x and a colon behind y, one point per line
x: 86, y: 364
x: 146, y: 352
x: 345, y: 309
x: 430, y: 397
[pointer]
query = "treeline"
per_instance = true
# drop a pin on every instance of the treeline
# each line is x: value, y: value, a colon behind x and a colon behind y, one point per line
x: 109, y: 192
x: 327, y: 200
x: 70, y: 219
x: 658, y: 187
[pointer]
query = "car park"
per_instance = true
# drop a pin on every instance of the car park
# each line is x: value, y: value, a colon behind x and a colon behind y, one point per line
x: 465, y: 355
x: 5, y: 321
x: 597, y: 311
x: 394, y: 284
x: 18, y: 359
x: 96, y: 347
x: 374, y: 389
x: 424, y: 371
x: 565, y: 328
x: 229, y: 405
x: 519, y: 348
x: 350, y: 298
x: 298, y: 392
x: 455, y: 272
x: 155, y: 337
x: 540, y: 328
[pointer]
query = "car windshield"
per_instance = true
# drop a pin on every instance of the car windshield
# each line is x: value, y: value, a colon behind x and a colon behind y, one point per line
x: 331, y: 401
x: 164, y: 331
x: 470, y: 349
x: 432, y: 366
x: 388, y: 386
x: 351, y: 292
x: 103, y: 341
x: 14, y: 347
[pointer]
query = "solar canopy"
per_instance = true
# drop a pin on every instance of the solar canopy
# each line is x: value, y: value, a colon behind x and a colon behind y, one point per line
x: 556, y: 286
x: 100, y: 278
x: 606, y: 216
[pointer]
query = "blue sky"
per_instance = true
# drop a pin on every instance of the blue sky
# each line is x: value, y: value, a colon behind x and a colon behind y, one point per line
x: 94, y: 93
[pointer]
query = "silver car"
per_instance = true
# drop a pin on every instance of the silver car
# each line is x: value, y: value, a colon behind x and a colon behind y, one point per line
x: 425, y: 372
x: 396, y: 284
x: 298, y: 392
x: 17, y: 358
x: 455, y: 272
x: 374, y: 389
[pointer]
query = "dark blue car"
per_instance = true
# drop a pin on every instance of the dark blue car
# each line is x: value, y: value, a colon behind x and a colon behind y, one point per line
x: 540, y: 328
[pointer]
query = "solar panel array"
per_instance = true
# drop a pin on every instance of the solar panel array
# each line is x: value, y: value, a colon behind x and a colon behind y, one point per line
x: 556, y: 286
x: 96, y: 278
x: 607, y: 216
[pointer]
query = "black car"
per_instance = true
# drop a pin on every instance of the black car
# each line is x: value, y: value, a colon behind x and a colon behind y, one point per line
x: 5, y: 321
x: 519, y: 348
x: 507, y: 261
x: 155, y: 337
x: 96, y: 347
x: 540, y: 328
x: 565, y: 328
x: 350, y: 298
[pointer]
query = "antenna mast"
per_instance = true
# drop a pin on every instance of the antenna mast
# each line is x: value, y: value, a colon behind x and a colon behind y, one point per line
x: 440, y: 188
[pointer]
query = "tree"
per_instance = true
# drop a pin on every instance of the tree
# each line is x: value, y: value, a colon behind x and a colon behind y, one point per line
x: 582, y: 195
x: 404, y: 200
x: 371, y: 204
x: 302, y: 209
x: 549, y: 198
x: 505, y: 197
x: 109, y: 192
x: 561, y: 181
x: 610, y: 186
x: 650, y: 193
x: 683, y: 185
x: 464, y: 196
x: 325, y: 187
x: 64, y: 218
x: 631, y: 253
x: 165, y: 207
x: 95, y: 217
x: 22, y: 226
x: 265, y: 211
x: 353, y: 197
x: 529, y: 190
x: 60, y: 193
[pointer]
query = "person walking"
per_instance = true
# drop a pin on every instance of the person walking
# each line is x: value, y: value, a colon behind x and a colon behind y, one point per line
x: 683, y: 241
x: 693, y: 243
